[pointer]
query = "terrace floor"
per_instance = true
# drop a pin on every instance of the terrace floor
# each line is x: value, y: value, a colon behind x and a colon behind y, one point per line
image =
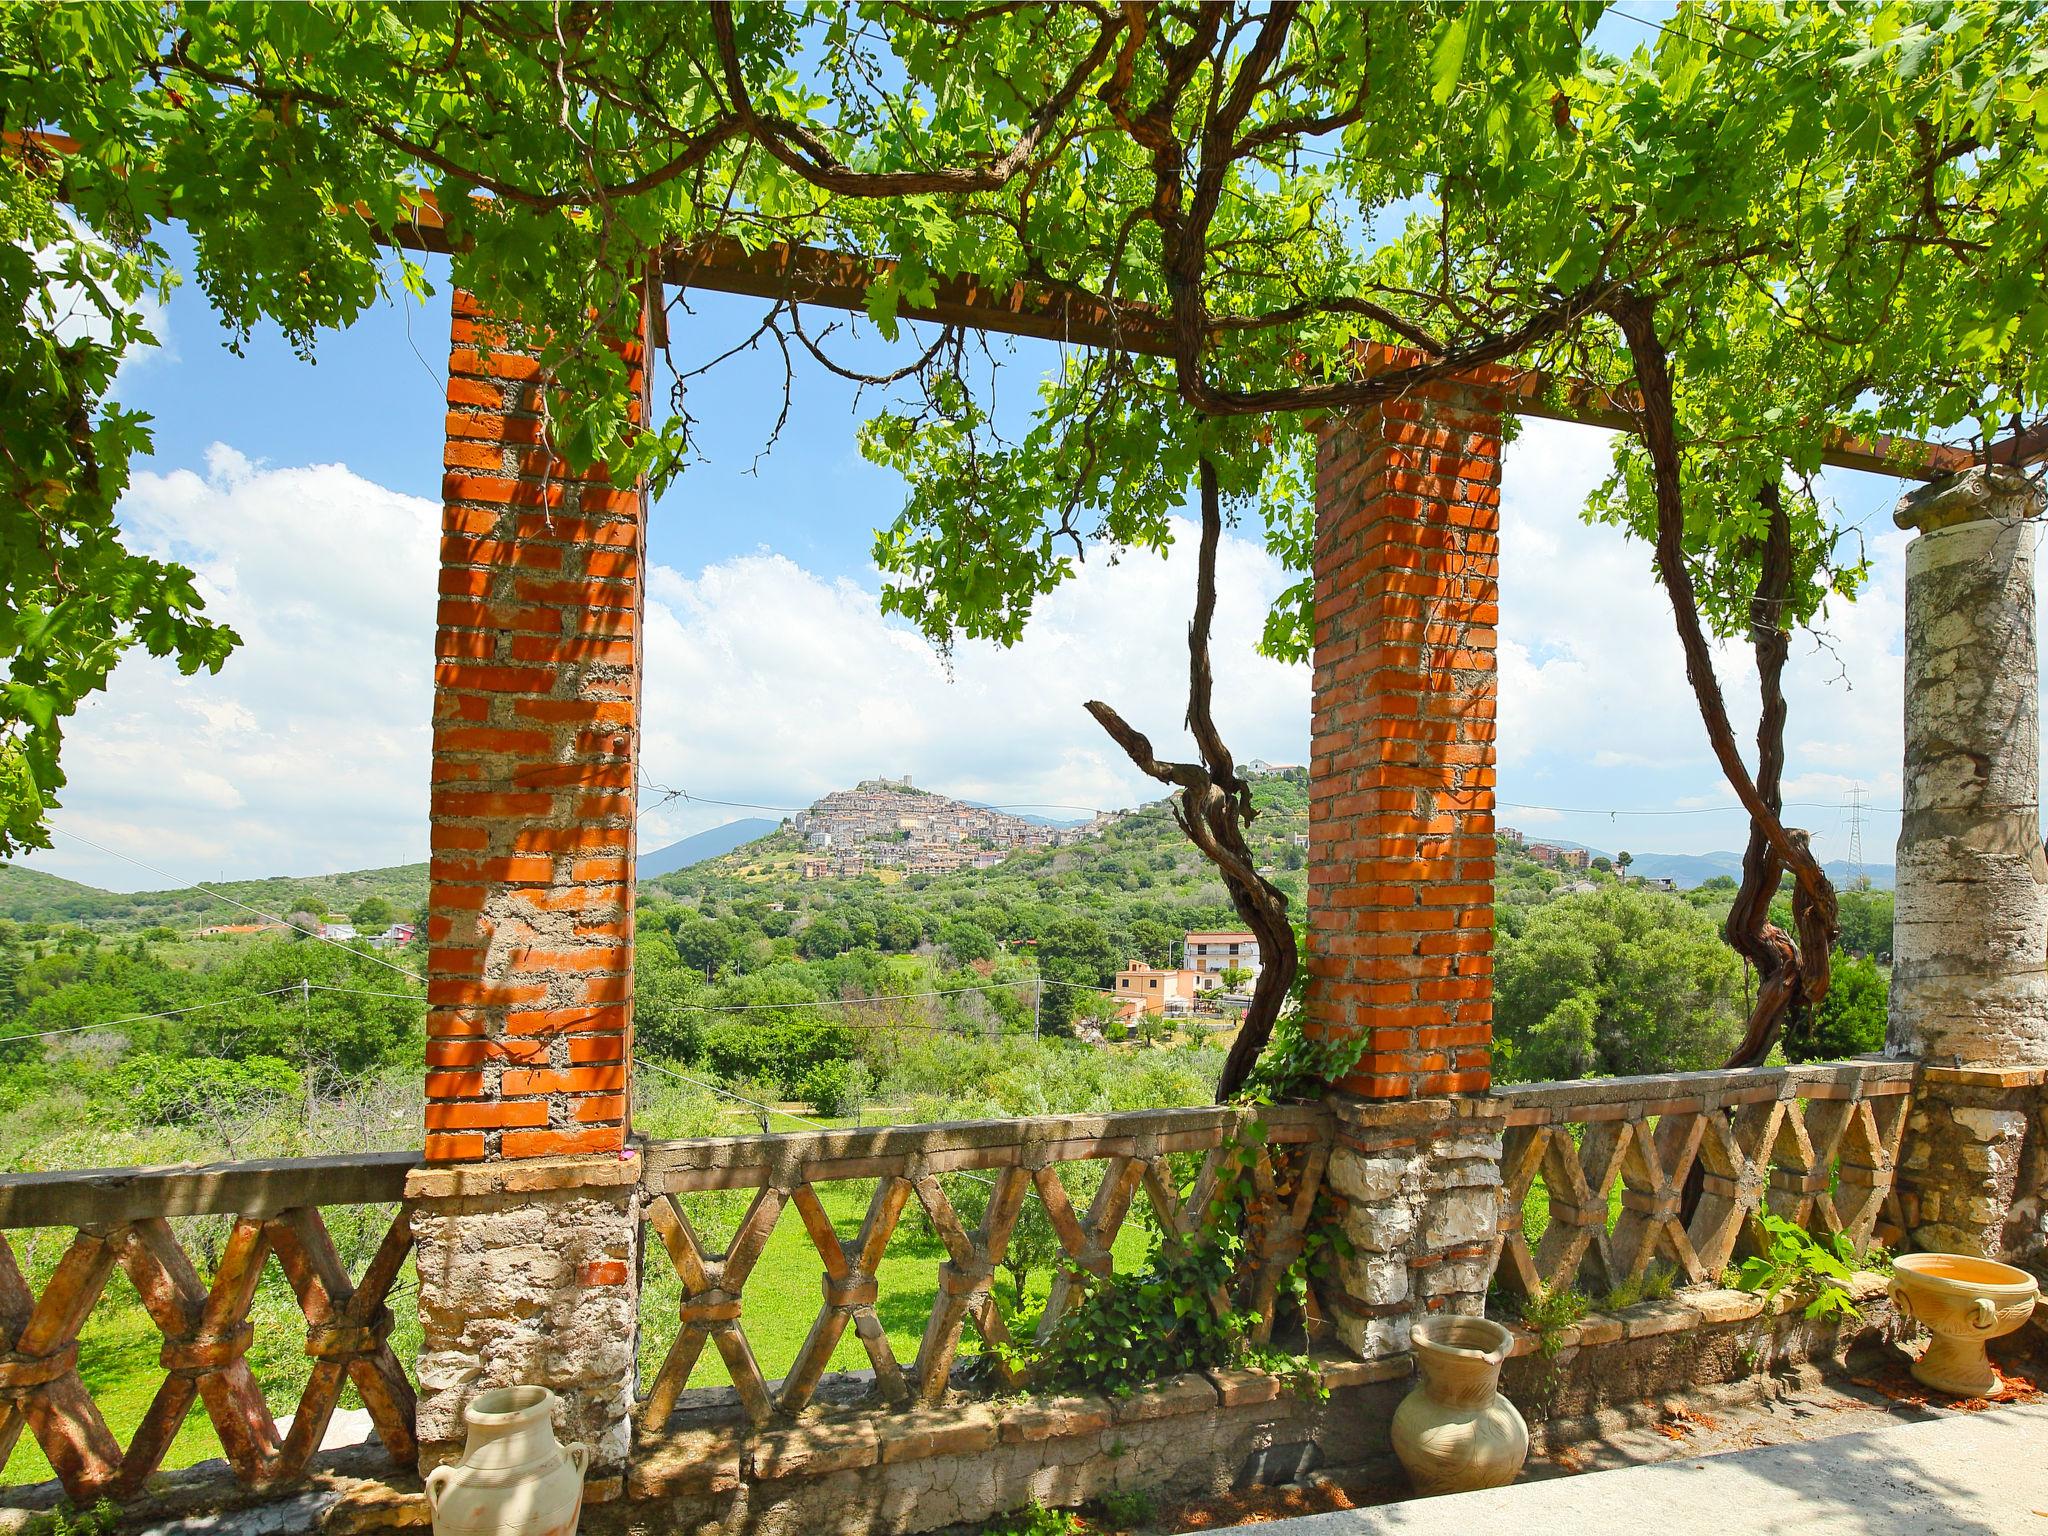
x: 1962, y: 1474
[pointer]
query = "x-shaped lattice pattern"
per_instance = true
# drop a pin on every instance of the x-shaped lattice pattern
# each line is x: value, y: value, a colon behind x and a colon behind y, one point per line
x: 206, y: 1331
x: 714, y: 1283
x: 1824, y: 1163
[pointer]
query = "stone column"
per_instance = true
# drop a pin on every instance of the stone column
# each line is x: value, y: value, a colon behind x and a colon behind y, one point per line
x: 1970, y: 946
x: 526, y: 1217
x: 1401, y: 851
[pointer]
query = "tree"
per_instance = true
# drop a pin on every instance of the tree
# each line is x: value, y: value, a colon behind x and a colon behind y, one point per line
x: 966, y: 941
x: 1774, y: 223
x: 371, y: 914
x: 1616, y: 981
x: 1850, y: 1020
x: 1867, y: 922
x: 1622, y: 860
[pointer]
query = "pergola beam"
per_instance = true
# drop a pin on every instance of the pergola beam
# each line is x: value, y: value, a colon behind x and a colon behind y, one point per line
x: 828, y: 279
x: 804, y: 274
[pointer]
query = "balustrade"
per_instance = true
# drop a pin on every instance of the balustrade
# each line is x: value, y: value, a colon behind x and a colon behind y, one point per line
x: 1020, y: 1160
x: 123, y: 1218
x: 1817, y: 1145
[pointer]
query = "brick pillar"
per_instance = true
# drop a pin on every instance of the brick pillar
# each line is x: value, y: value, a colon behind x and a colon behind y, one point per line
x: 527, y: 1215
x: 1401, y: 778
x: 536, y: 721
x: 1969, y: 981
x: 1400, y: 894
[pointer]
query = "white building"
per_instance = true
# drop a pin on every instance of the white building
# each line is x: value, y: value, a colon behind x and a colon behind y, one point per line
x: 1211, y: 954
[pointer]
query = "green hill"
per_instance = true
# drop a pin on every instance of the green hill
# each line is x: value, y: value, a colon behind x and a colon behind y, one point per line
x: 30, y: 896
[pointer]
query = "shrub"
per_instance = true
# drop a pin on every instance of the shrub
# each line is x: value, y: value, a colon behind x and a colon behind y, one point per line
x: 833, y: 1087
x: 170, y: 1090
x: 783, y: 1053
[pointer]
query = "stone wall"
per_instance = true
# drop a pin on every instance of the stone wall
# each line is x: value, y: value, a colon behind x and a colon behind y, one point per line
x: 1973, y: 1177
x: 529, y: 1276
x: 1417, y: 1189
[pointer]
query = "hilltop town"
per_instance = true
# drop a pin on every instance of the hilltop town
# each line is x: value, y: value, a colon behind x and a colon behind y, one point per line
x: 889, y: 823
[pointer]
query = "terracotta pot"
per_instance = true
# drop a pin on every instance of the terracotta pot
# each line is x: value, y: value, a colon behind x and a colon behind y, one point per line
x: 1963, y: 1303
x: 515, y: 1478
x: 1455, y: 1432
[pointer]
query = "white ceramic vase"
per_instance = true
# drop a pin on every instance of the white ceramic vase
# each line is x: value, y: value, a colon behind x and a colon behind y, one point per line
x: 1455, y: 1432
x: 515, y: 1478
x: 1963, y: 1303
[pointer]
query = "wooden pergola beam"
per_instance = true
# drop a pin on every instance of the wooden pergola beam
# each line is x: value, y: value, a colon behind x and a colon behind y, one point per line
x: 804, y: 274
x: 828, y: 279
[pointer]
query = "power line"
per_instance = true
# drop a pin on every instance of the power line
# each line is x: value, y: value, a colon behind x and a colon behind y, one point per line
x: 407, y: 997
x: 1683, y: 810
x: 236, y: 902
x: 141, y: 1018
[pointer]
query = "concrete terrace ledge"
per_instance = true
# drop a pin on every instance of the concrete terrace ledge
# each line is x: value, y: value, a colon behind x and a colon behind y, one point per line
x: 849, y: 1469
x: 1977, y: 1474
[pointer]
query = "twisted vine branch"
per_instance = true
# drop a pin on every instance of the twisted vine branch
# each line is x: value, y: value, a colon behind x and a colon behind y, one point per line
x: 1215, y: 806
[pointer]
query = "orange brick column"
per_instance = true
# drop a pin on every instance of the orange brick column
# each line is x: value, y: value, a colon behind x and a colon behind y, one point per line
x: 1400, y: 892
x: 536, y: 725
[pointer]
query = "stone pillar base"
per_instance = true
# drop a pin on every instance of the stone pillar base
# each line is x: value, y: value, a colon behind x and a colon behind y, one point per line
x: 1973, y: 1174
x: 1418, y: 1183
x: 529, y: 1276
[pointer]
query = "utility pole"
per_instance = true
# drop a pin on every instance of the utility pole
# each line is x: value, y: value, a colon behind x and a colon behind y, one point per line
x: 1857, y: 879
x: 306, y: 1038
x: 1037, y: 1000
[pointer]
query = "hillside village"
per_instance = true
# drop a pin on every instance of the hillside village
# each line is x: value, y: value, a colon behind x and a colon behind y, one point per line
x: 890, y: 824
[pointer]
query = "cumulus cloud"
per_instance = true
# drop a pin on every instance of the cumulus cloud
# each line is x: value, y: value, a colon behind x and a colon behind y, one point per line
x: 308, y: 751
x: 769, y: 682
x: 1595, y: 710
x: 766, y: 682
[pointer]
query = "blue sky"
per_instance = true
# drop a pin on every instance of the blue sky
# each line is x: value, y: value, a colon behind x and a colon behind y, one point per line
x: 304, y: 493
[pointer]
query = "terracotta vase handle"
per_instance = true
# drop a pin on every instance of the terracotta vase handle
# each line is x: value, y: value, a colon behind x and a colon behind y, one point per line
x: 1900, y: 1302
x: 1983, y: 1315
x: 579, y: 1452
x: 436, y: 1480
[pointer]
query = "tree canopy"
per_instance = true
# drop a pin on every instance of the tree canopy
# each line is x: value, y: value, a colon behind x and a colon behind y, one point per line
x: 1773, y: 222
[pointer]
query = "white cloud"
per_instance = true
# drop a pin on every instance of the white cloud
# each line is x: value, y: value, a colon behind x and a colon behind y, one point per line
x: 765, y: 682
x: 1595, y: 708
x: 769, y: 682
x: 308, y: 751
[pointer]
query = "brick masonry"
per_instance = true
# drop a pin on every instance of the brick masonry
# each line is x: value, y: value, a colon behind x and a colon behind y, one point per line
x: 536, y: 723
x: 1401, y: 796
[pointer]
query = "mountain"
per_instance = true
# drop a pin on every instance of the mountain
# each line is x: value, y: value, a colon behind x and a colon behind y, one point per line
x: 1687, y: 870
x: 1035, y: 820
x: 703, y: 845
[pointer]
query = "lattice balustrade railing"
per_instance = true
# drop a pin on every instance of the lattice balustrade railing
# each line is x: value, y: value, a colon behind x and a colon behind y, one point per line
x: 1017, y: 1161
x: 1816, y: 1145
x: 122, y: 1218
